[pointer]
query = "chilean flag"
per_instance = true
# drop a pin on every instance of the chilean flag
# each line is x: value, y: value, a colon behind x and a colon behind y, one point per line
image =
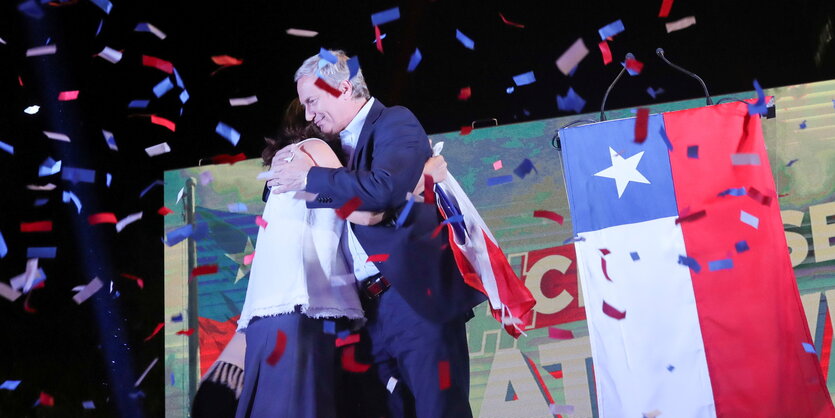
x: 692, y: 304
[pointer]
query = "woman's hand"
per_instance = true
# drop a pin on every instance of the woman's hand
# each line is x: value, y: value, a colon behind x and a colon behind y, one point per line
x: 365, y: 218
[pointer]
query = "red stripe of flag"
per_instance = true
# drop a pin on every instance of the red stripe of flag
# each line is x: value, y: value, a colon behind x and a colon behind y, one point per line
x: 641, y: 121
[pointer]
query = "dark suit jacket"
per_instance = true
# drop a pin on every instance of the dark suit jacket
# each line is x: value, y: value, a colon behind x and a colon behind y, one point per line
x: 388, y: 161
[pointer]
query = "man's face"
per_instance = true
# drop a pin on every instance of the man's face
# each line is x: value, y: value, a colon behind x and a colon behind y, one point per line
x: 331, y: 114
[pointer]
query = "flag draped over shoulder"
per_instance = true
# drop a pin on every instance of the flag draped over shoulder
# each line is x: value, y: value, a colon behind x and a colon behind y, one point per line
x: 692, y: 305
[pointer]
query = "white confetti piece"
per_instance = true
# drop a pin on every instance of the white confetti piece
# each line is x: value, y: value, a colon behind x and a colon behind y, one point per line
x: 749, y: 219
x: 745, y: 159
x: 572, y: 56
x: 127, y: 220
x: 110, y: 54
x: 7, y: 292
x: 304, y: 33
x: 158, y: 149
x: 392, y: 383
x: 141, y: 378
x: 41, y: 50
x: 89, y: 290
x: 243, y: 101
x: 681, y: 24
x: 56, y: 136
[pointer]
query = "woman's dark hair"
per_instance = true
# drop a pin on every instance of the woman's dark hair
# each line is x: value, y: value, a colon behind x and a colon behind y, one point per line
x: 295, y: 128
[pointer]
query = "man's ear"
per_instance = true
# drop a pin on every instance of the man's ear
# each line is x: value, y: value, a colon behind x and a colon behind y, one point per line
x: 346, y: 89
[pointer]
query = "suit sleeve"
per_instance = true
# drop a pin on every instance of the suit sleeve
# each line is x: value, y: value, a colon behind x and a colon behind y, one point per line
x: 399, y: 149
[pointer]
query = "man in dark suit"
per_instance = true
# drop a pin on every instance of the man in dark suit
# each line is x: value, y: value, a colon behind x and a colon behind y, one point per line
x: 416, y: 301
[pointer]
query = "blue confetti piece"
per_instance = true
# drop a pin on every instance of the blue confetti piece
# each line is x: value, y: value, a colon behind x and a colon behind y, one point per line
x: 163, y: 87
x: 635, y: 256
x: 109, y: 178
x: 663, y: 133
x: 723, y: 264
x: 524, y: 168
x: 573, y: 239
x: 803, y: 124
x: 414, y: 60
x: 670, y: 368
x: 758, y: 108
x: 30, y: 8
x: 386, y: 16
x: 67, y: 196
x: 4, y: 249
x: 150, y: 186
x: 172, y: 379
x: 401, y: 219
x: 327, y: 56
x: 653, y: 93
x: 741, y: 246
x: 177, y: 235
x: 455, y: 219
x: 611, y: 29
x: 693, y: 151
x: 138, y: 104
x: 40, y: 202
x: 41, y: 252
x: 178, y: 80
x: 110, y: 140
x: 571, y: 101
x: 467, y: 42
x: 101, y: 23
x: 104, y: 5
x: 183, y: 99
x: 10, y: 384
x: 809, y: 348
x: 494, y: 181
x: 228, y: 132
x: 6, y: 147
x: 524, y: 78
x: 343, y: 334
x: 689, y: 262
x: 510, y: 89
x: 792, y: 162
x: 49, y: 167
x: 329, y: 327
x: 353, y: 67
x: 78, y: 175
x: 738, y: 191
x: 177, y: 318
x: 137, y: 395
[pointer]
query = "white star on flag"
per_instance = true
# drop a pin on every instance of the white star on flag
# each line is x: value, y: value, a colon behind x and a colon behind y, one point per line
x: 623, y: 170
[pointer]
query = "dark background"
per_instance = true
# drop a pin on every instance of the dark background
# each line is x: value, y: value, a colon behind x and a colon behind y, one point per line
x: 95, y: 351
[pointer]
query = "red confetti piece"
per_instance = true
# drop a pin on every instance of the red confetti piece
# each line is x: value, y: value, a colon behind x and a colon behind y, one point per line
x: 228, y: 159
x: 759, y: 196
x: 163, y: 122
x: 322, y: 84
x: 261, y: 222
x: 26, y: 306
x: 68, y: 95
x: 465, y: 93
x: 612, y: 312
x: 186, y: 332
x: 605, y: 52
x: 691, y: 217
x: 226, y: 60
x: 509, y: 23
x: 378, y: 40
x: 634, y: 65
x: 560, y: 334
x: 666, y: 5
x: 437, y: 231
x: 139, y: 281
x: 20, y: 81
x: 349, y: 207
x: 156, y: 331
x: 349, y: 362
x: 278, y: 350
x: 46, y: 399
x: 641, y: 121
x: 157, y: 63
x: 164, y: 211
x: 377, y: 258
x: 203, y: 270
x: 39, y: 226
x: 443, y: 375
x: 351, y: 339
x: 102, y: 218
x: 428, y: 189
x: 603, y: 267
x: 248, y: 258
x: 783, y: 195
x: 465, y: 130
x: 547, y: 214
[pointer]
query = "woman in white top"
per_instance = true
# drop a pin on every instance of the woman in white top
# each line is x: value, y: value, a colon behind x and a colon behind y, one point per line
x: 301, y: 291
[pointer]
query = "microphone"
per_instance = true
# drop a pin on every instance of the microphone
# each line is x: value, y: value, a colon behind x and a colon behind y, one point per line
x: 660, y: 53
x: 609, y: 90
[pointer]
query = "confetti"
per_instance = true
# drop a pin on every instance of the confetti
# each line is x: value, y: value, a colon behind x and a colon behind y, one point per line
x: 755, y: 194
x: 633, y: 66
x: 204, y: 270
x: 635, y: 256
x: 611, y: 29
x: 749, y: 219
x: 158, y: 149
x: 559, y: 333
x: 78, y: 175
x: 641, y: 121
x: 689, y: 262
x: 278, y: 349
x: 745, y: 159
x: 741, y: 246
x: 386, y: 16
x: 723, y: 264
x: 68, y: 95
x: 653, y: 93
x: 111, y: 55
x: 101, y: 218
x: 41, y: 252
x: 228, y: 159
x: 809, y: 348
x: 46, y: 399
x: 603, y: 264
x: 414, y: 60
x: 428, y: 189
x: 104, y: 5
x: 228, y: 132
x: 349, y: 362
x: 690, y: 217
x: 89, y: 290
x: 571, y: 101
x: 693, y: 151
x: 138, y: 280
x: 31, y: 110
x: 466, y: 41
x: 758, y: 108
x: 226, y: 60
x: 681, y: 24
x: 391, y: 384
x: 464, y: 93
x: 497, y: 165
x: 792, y: 162
x: 88, y: 405
x: 57, y: 136
x: 127, y: 220
x: 353, y: 67
x: 322, y: 84
x: 495, y: 181
x: 605, y: 52
x: 612, y: 312
x: 10, y: 385
x: 39, y: 226
x: 147, y: 27
x: 302, y: 33
x: 248, y: 258
x: 443, y: 375
x: 666, y: 5
x: 157, y: 63
x: 401, y: 219
x: 70, y: 196
x: 465, y: 130
x: 560, y: 409
x: 30, y: 8
x: 157, y: 120
x: 9, y: 293
x: 261, y: 222
x: 377, y: 258
x: 803, y: 124
x: 41, y: 50
x: 572, y: 56
x: 237, y: 207
x: 524, y: 168
x: 243, y: 101
x: 138, y: 104
x: 4, y: 249
x: 664, y: 137
x: 347, y: 340
x: 163, y: 87
x: 524, y: 79
x: 378, y: 39
x: 510, y: 89
x: 177, y: 318
x: 145, y: 373
x: 329, y: 327
x: 349, y: 207
x: 179, y: 234
x: 509, y: 23
x: 738, y: 191
x: 186, y: 332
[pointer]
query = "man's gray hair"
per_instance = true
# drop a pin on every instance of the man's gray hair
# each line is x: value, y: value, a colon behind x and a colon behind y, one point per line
x: 334, y: 73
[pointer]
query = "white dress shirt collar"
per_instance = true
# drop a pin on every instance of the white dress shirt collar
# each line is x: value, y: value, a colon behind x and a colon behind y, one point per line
x: 350, y: 135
